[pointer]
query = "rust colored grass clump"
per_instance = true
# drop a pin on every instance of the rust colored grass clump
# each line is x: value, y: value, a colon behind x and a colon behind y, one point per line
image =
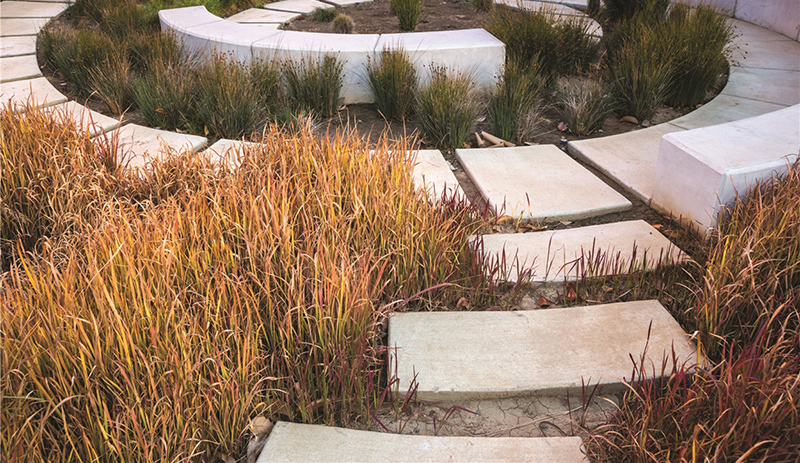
x: 745, y: 306
x: 150, y: 316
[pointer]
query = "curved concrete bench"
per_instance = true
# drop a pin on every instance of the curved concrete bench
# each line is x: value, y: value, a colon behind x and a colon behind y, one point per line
x: 764, y: 77
x: 472, y: 50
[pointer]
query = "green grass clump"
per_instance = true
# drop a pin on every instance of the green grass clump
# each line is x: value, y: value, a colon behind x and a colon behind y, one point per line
x: 519, y: 92
x: 343, y: 24
x: 74, y: 52
x: 159, y: 311
x: 640, y: 79
x: 483, y: 5
x: 323, y: 15
x: 585, y: 105
x: 314, y: 85
x: 616, y: 11
x: 447, y: 108
x: 407, y: 12
x: 112, y: 82
x: 165, y: 95
x: 393, y: 83
x: 540, y: 38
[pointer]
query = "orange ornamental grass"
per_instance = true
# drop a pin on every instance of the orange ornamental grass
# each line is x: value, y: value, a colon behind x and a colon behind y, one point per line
x: 150, y: 316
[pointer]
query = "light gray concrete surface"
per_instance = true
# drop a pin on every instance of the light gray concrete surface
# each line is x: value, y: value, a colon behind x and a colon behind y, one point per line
x: 227, y: 152
x: 346, y: 2
x: 139, y: 145
x: 782, y: 16
x: 17, y: 46
x: 260, y: 15
x: 297, y: 6
x: 10, y: 9
x: 722, y: 109
x: 304, y: 442
x: 83, y: 118
x: 770, y: 85
x: 38, y: 92
x: 557, y: 255
x: 432, y: 173
x: 539, y: 183
x: 19, y: 68
x: 464, y: 355
x: 700, y: 171
x: 21, y: 26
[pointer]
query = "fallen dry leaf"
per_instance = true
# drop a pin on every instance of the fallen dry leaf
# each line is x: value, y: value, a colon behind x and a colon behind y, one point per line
x: 260, y: 426
x: 572, y: 294
x: 543, y: 302
x: 630, y: 119
x: 463, y: 302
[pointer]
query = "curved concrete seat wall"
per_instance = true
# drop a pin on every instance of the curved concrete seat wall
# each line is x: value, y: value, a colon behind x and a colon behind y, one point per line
x: 473, y: 50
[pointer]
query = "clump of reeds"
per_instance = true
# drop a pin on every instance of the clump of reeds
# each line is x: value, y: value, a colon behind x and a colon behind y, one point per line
x: 165, y: 95
x: 314, y: 84
x: 343, y: 24
x: 518, y: 94
x: 323, y: 15
x: 393, y: 82
x: 585, y: 105
x: 407, y: 12
x: 447, y: 108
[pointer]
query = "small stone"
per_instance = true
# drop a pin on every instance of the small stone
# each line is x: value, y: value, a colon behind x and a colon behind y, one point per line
x: 646, y: 123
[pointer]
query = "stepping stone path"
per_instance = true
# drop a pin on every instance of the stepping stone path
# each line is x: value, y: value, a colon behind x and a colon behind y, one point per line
x: 498, y: 363
x: 539, y: 183
x: 597, y: 250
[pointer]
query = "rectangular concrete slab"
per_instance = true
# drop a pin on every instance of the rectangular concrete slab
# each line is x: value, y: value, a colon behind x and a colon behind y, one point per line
x: 597, y: 250
x: 432, y: 173
x: 291, y: 442
x: 783, y: 86
x: 539, y: 183
x: 472, y: 51
x: 297, y: 6
x: 31, y: 9
x: 17, y: 46
x: 21, y: 26
x: 462, y: 355
x: 19, y: 68
x: 722, y: 109
x: 700, y: 171
x: 83, y: 118
x: 227, y: 152
x: 628, y: 158
x: 139, y: 145
x: 38, y: 92
x: 260, y: 15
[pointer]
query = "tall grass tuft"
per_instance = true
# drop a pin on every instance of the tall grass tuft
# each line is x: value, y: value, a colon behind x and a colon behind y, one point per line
x: 741, y: 406
x: 447, y: 108
x: 323, y: 15
x: 112, y: 83
x: 616, y: 11
x: 585, y: 105
x: 408, y: 12
x: 193, y: 299
x: 73, y: 52
x: 519, y: 92
x: 393, y: 82
x: 640, y: 79
x: 314, y: 85
x: 165, y: 95
x: 483, y: 5
x: 343, y: 24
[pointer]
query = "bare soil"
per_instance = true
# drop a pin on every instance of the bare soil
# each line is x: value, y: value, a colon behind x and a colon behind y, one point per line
x: 376, y: 18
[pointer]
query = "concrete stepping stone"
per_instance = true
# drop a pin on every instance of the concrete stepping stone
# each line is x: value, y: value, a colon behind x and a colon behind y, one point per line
x: 38, y: 92
x: 84, y: 119
x: 139, y: 145
x: 297, y: 6
x: 469, y: 355
x: 629, y: 158
x: 291, y: 442
x: 432, y: 173
x: 566, y: 13
x: 262, y: 16
x: 227, y: 152
x: 17, y: 46
x: 539, y: 183
x: 21, y: 26
x: 19, y: 68
x: 10, y: 9
x: 597, y: 250
x: 347, y: 2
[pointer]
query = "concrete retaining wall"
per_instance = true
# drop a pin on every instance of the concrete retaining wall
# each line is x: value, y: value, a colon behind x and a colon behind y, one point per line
x: 781, y: 16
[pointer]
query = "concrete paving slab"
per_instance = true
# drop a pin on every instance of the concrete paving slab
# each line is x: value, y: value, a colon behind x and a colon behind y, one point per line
x: 260, y: 16
x: 9, y: 9
x: 770, y: 85
x: 722, y: 109
x: 139, y: 145
x: 467, y: 355
x: 227, y: 152
x: 701, y: 171
x: 346, y: 2
x: 297, y: 6
x: 783, y: 55
x: 539, y: 183
x: 21, y: 26
x: 83, y: 118
x: 549, y: 7
x: 432, y: 173
x: 19, y: 68
x: 291, y: 442
x: 472, y: 51
x: 597, y: 250
x: 628, y: 158
x: 38, y: 92
x: 17, y: 46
